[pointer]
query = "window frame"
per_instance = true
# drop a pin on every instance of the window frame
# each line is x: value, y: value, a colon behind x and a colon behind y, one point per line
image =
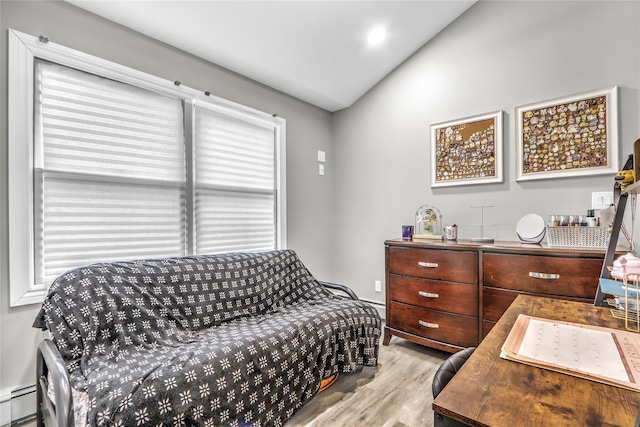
x: 23, y: 48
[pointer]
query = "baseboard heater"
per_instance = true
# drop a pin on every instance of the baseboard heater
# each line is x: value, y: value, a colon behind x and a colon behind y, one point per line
x: 17, y: 406
x: 378, y: 306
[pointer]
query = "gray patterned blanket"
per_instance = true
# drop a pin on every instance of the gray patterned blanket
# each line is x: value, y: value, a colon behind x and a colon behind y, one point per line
x: 226, y: 340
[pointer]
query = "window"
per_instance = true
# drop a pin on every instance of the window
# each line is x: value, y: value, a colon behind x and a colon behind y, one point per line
x: 108, y: 163
x: 110, y: 166
x: 234, y: 183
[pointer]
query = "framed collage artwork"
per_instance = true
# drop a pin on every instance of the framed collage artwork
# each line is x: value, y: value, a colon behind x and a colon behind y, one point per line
x: 467, y: 151
x: 572, y: 136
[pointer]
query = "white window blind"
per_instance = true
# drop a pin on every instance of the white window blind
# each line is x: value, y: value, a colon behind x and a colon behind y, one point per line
x: 110, y: 163
x: 110, y: 160
x: 235, y: 183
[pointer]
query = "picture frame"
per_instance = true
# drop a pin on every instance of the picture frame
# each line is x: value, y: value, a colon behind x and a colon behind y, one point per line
x: 467, y: 151
x: 572, y: 136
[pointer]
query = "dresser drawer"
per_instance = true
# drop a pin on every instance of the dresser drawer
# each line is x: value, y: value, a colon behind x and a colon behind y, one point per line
x: 575, y: 277
x: 487, y: 326
x: 454, y: 266
x: 460, y: 298
x: 496, y: 301
x: 450, y: 328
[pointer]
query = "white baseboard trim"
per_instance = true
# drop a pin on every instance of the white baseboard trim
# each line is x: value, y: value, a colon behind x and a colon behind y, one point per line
x: 378, y: 306
x: 17, y: 403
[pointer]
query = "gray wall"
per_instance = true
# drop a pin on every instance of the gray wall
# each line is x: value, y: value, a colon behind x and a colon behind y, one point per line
x: 497, y: 56
x: 308, y: 130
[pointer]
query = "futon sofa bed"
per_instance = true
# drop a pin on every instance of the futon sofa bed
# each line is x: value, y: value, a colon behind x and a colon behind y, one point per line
x: 239, y: 339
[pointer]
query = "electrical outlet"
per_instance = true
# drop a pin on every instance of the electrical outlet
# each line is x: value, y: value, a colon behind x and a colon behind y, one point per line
x: 378, y: 285
x: 320, y: 169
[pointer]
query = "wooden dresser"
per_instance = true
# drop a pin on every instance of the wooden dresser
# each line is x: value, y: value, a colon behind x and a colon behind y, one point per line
x: 448, y: 295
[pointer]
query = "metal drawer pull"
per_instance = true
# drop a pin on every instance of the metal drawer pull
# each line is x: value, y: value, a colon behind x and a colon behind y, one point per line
x: 428, y: 294
x: 428, y: 264
x: 428, y: 325
x: 537, y: 275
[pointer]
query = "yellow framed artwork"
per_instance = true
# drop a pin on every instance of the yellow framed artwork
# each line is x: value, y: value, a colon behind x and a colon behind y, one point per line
x: 467, y: 151
x: 572, y: 136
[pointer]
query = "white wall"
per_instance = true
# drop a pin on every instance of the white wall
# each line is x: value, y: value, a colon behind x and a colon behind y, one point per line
x: 496, y: 56
x: 308, y: 129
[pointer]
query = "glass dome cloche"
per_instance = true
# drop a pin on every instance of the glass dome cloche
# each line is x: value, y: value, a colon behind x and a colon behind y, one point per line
x: 428, y: 222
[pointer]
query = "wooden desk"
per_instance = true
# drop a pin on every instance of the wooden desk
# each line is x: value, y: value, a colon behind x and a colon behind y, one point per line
x: 490, y: 391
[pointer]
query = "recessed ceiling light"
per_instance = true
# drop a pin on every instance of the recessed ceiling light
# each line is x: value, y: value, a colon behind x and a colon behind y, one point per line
x: 376, y: 36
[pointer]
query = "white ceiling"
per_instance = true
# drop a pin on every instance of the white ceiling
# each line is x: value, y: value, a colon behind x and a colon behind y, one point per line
x: 313, y: 50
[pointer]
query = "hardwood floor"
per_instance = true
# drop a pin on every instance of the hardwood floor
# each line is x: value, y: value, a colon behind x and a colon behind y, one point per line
x: 395, y: 394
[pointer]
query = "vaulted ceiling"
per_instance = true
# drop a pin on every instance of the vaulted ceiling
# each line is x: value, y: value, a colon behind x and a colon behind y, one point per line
x: 316, y: 51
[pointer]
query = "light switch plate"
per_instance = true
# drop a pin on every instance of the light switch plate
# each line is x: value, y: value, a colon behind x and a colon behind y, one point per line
x: 321, y: 156
x: 601, y: 199
x: 320, y: 169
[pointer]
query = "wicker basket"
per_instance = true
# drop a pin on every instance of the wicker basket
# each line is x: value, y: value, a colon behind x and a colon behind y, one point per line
x: 578, y: 237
